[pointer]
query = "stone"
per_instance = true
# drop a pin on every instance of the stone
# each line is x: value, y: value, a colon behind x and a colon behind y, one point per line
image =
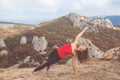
x: 94, y: 51
x: 112, y: 53
x: 28, y: 62
x: 27, y: 59
x: 40, y: 44
x: 3, y: 52
x: 68, y: 40
x: 23, y: 40
x: 55, y: 46
x: 43, y: 52
x: 35, y: 38
x: 2, y: 43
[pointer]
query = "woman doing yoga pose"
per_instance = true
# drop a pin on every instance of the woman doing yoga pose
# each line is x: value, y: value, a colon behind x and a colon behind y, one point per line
x: 79, y: 51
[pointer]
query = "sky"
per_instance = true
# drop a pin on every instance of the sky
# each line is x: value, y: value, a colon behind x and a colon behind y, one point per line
x: 36, y: 11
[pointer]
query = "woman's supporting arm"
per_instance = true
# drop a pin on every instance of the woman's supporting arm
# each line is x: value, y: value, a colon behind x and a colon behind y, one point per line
x: 74, y: 64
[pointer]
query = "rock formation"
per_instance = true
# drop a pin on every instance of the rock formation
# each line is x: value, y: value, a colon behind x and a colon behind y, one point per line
x: 82, y: 21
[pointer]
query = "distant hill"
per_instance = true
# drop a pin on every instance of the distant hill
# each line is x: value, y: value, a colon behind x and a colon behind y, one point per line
x: 12, y: 25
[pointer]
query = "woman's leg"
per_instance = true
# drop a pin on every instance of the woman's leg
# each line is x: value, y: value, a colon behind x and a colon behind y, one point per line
x: 49, y: 58
x: 52, y: 61
x: 53, y: 54
x: 48, y: 67
x: 53, y: 58
x: 47, y: 64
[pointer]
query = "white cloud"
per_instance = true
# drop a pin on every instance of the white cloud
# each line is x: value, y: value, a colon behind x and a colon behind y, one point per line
x: 48, y: 9
x: 6, y: 5
x: 47, y: 3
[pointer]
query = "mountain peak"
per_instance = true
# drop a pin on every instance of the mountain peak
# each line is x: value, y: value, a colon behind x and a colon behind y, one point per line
x: 83, y: 21
x: 74, y: 14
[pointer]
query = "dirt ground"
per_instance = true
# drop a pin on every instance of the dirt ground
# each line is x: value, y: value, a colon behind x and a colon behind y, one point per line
x: 92, y: 70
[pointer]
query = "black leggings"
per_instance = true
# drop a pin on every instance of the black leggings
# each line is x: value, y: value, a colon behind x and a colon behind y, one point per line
x: 53, y: 58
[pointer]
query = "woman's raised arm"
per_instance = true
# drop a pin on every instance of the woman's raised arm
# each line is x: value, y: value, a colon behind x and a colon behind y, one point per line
x: 79, y: 35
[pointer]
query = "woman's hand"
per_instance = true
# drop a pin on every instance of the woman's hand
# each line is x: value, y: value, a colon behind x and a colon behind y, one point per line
x: 85, y: 28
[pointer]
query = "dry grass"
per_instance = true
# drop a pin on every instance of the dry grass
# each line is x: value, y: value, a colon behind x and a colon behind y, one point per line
x: 12, y: 32
x: 93, y: 70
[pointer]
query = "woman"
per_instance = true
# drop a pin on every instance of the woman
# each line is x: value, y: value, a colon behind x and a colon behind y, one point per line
x: 80, y: 52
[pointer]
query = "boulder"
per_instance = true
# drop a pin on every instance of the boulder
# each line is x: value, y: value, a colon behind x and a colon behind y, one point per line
x: 112, y: 53
x: 27, y: 59
x: 40, y: 44
x: 2, y: 43
x: 94, y: 51
x: 3, y: 52
x: 23, y: 40
x: 35, y: 39
x: 27, y: 62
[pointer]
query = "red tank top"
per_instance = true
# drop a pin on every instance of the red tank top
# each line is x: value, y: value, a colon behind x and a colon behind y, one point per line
x: 64, y: 50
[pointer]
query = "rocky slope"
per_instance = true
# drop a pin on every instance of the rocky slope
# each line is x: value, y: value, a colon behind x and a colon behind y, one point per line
x: 92, y: 70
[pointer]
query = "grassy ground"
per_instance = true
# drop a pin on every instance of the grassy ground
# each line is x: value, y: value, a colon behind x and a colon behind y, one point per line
x: 92, y: 70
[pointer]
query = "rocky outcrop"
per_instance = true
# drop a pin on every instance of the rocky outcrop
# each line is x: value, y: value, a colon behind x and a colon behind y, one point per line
x: 82, y: 21
x: 2, y: 43
x: 27, y: 62
x: 23, y: 40
x: 113, y: 53
x: 103, y: 22
x: 40, y: 44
